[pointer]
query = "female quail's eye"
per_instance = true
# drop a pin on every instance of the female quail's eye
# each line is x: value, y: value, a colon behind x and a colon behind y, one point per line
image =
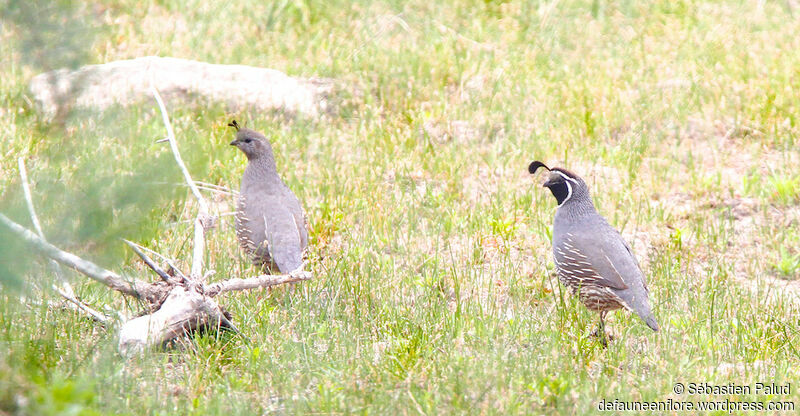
x: 248, y: 140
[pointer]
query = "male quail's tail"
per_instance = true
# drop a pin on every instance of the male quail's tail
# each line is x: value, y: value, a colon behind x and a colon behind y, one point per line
x: 591, y: 257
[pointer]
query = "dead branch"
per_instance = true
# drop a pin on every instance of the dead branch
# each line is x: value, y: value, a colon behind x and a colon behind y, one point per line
x: 264, y: 280
x: 23, y: 173
x: 150, y: 263
x: 65, y: 290
x: 81, y: 306
x: 177, y: 306
x: 166, y: 259
x: 174, y: 145
x: 26, y: 190
x: 224, y: 189
x: 136, y: 288
x: 215, y: 190
x: 204, y: 220
x: 197, y: 253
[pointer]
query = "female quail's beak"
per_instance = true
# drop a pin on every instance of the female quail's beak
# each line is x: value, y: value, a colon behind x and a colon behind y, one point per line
x: 234, y: 142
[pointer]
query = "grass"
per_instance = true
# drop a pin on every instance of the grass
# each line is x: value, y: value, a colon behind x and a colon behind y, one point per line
x: 430, y: 242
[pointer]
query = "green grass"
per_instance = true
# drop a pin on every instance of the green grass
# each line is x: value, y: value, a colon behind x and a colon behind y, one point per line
x: 430, y: 243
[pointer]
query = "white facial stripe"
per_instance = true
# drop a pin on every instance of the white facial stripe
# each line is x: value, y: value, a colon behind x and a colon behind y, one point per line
x: 569, y: 193
x: 567, y: 178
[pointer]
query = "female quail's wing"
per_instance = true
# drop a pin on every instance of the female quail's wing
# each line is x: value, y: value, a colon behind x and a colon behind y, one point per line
x: 636, y: 261
x: 293, y: 205
x: 283, y: 234
x: 251, y: 231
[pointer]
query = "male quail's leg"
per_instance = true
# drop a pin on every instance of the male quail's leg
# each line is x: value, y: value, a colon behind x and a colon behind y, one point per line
x: 603, y: 338
x: 597, y: 332
x: 600, y: 332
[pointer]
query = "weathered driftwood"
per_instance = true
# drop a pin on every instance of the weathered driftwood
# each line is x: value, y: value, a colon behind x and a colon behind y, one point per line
x: 264, y: 280
x: 129, y: 81
x: 182, y: 312
x: 175, y: 305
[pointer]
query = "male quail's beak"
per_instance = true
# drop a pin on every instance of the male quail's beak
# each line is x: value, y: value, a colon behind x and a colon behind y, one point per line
x: 552, y: 180
x: 549, y: 183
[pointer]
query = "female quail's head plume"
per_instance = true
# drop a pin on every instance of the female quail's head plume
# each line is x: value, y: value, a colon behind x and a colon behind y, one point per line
x: 591, y: 257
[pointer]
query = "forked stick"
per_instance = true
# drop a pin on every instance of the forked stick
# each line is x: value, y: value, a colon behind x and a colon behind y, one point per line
x: 166, y: 259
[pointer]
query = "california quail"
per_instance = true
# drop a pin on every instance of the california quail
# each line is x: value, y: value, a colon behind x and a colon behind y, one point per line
x: 270, y: 224
x: 591, y: 257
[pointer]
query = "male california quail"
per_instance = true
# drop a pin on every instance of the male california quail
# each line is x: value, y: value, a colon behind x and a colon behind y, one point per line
x: 270, y: 224
x: 591, y: 257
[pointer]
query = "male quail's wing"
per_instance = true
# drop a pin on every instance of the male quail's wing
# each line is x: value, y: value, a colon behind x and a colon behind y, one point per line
x: 283, y: 235
x: 596, y: 257
x: 636, y: 262
x: 611, y: 256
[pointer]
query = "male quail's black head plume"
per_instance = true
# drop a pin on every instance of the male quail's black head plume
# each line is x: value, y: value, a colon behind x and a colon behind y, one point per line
x: 270, y: 224
x: 590, y: 256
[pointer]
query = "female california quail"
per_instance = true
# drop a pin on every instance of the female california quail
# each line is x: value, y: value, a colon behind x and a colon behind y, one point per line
x: 270, y: 224
x: 591, y: 257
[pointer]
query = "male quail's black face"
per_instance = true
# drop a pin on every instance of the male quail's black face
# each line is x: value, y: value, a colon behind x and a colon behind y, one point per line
x: 561, y: 182
x: 559, y: 186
